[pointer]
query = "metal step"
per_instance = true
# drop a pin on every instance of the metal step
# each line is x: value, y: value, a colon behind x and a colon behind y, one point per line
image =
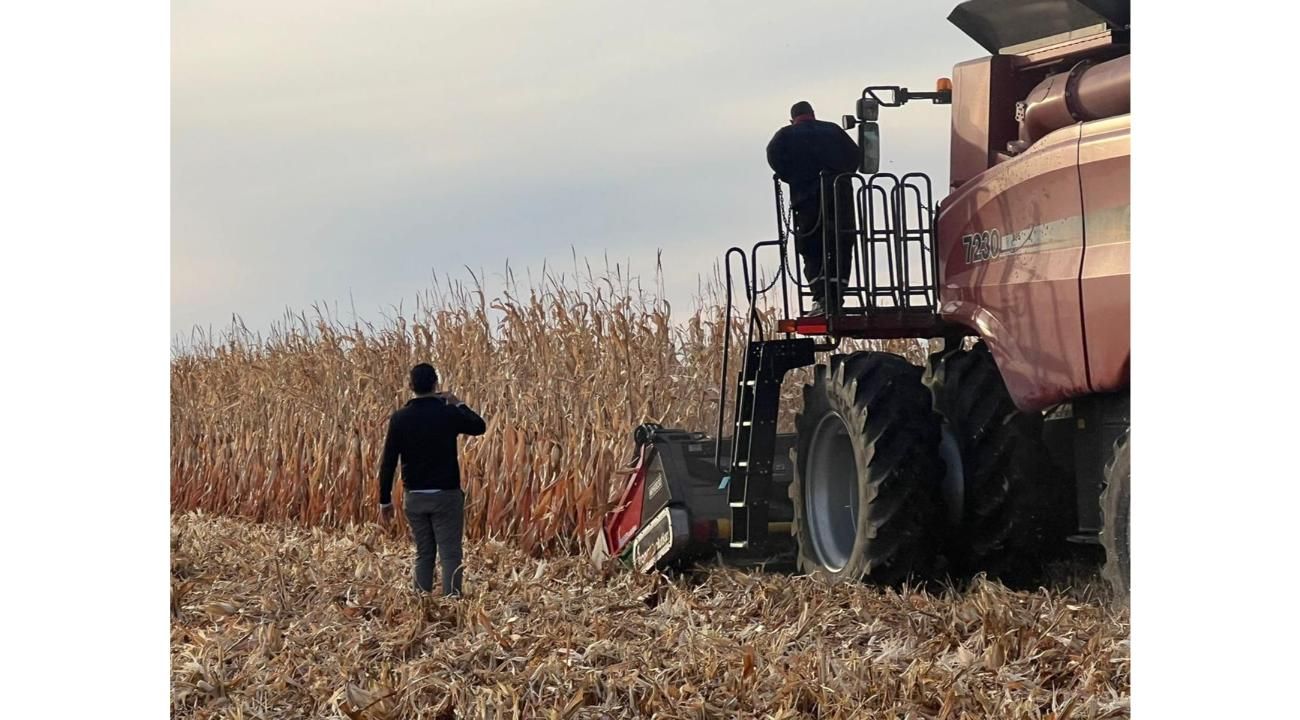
x: 754, y: 438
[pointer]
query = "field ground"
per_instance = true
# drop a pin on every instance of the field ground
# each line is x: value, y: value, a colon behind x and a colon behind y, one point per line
x: 279, y: 621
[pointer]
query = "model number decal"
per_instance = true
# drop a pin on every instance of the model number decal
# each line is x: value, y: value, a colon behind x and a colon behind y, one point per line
x: 991, y: 244
x: 982, y: 246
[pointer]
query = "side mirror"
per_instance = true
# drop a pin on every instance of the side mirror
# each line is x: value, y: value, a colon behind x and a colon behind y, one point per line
x: 869, y: 144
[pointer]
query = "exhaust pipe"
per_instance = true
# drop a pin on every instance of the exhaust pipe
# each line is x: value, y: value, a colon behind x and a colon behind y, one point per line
x: 1086, y: 92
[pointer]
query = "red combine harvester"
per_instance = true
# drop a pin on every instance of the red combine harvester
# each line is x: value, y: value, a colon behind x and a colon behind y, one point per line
x: 1014, y: 438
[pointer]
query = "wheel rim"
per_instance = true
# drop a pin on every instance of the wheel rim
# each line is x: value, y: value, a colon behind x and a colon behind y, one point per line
x: 831, y: 493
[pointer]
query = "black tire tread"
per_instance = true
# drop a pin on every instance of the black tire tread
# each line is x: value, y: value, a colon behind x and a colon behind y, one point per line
x: 1014, y: 515
x: 881, y: 396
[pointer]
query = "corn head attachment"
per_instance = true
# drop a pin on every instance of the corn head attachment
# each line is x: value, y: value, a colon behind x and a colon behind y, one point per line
x: 674, y: 507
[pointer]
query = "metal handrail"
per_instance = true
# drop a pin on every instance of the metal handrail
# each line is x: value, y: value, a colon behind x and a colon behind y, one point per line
x: 872, y: 201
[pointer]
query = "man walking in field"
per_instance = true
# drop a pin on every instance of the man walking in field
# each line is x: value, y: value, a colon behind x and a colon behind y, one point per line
x: 423, y: 435
x: 798, y: 154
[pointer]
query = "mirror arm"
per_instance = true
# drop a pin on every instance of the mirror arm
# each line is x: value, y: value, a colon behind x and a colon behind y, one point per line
x: 900, y: 95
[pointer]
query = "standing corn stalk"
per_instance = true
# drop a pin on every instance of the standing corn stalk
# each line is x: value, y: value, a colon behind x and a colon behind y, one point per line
x: 289, y: 426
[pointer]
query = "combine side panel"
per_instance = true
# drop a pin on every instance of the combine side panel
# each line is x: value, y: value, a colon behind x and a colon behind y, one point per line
x: 1104, y: 283
x: 1010, y: 253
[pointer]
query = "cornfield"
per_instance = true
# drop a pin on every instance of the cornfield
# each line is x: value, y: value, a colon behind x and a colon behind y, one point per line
x: 289, y: 425
x: 299, y: 607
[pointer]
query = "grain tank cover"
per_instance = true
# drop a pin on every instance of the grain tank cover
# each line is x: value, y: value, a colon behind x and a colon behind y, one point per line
x: 998, y: 25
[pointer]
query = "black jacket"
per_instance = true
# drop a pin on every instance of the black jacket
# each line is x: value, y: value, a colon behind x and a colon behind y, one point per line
x: 423, y: 434
x: 799, y: 153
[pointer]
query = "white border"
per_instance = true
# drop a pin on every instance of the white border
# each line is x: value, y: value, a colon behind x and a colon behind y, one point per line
x: 84, y: 177
x: 1216, y: 508
x: 84, y: 222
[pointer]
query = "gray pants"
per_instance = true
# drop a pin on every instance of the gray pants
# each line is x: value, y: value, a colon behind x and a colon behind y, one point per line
x: 437, y: 523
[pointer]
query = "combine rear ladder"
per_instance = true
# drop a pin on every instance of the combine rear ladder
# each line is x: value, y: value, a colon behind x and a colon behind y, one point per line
x: 758, y: 400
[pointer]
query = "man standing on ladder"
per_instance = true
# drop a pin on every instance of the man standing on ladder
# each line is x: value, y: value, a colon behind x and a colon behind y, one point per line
x: 798, y: 154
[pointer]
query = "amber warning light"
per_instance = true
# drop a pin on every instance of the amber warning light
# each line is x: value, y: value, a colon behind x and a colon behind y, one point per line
x: 943, y: 84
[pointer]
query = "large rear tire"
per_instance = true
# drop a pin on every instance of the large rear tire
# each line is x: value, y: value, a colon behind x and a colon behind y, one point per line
x: 1115, y: 519
x: 1015, y: 508
x: 867, y: 472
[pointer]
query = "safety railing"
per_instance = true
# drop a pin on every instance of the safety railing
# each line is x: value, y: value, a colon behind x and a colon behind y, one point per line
x: 883, y: 222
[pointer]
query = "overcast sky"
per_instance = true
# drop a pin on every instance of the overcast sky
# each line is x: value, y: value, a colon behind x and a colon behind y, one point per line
x: 345, y: 151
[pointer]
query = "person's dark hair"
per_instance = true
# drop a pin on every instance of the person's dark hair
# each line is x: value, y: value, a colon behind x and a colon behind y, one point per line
x: 803, y: 107
x: 423, y: 378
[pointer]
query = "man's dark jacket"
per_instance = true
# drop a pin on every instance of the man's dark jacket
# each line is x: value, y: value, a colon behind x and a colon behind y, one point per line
x: 423, y: 434
x: 799, y: 153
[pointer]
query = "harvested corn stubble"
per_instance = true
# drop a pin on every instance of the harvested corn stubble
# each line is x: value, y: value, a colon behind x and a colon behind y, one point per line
x: 285, y: 621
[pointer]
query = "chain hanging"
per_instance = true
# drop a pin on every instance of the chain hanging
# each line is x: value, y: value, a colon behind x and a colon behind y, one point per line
x: 787, y: 230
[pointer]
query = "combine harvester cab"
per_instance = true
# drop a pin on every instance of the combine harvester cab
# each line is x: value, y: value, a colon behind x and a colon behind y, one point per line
x: 1012, y: 437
